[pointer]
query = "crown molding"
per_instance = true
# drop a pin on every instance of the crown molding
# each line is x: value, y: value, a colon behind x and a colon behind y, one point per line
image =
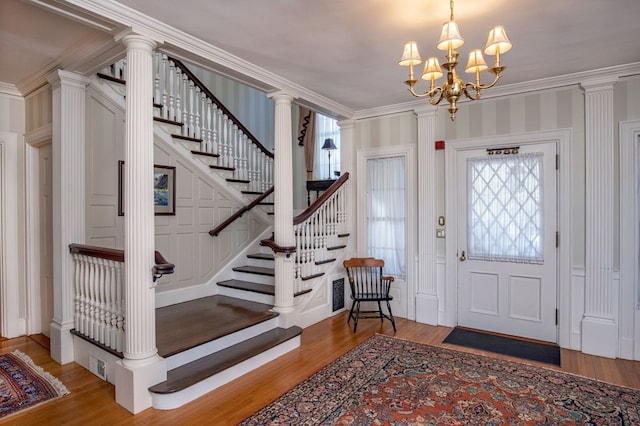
x: 602, y: 74
x: 9, y: 90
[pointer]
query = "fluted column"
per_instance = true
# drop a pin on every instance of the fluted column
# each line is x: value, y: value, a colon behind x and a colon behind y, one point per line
x: 347, y: 164
x: 141, y: 367
x: 426, y: 286
x: 599, y: 325
x: 283, y: 202
x: 68, y: 155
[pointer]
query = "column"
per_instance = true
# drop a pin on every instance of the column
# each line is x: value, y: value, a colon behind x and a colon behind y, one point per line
x: 347, y: 164
x: 283, y: 203
x: 599, y: 325
x: 141, y: 366
x: 426, y: 308
x: 68, y: 154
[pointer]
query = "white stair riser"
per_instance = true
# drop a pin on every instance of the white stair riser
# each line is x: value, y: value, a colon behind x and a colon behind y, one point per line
x: 178, y: 399
x: 224, y: 342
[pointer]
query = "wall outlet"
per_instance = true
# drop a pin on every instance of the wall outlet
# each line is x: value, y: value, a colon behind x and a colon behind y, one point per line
x: 439, y: 233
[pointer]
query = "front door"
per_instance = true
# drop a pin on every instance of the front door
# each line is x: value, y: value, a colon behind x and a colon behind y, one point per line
x: 507, y: 240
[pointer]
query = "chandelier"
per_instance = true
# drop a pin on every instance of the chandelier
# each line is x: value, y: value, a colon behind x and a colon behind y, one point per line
x: 453, y: 88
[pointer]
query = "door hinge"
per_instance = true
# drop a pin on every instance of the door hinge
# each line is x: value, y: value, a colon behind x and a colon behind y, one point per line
x: 557, y: 162
x: 556, y: 317
x: 557, y: 239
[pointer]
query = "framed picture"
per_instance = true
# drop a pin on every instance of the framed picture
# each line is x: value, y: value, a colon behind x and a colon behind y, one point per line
x: 164, y: 190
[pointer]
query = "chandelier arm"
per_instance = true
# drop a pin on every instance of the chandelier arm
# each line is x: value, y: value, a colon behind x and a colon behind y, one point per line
x: 434, y: 102
x: 431, y: 93
x: 478, y: 87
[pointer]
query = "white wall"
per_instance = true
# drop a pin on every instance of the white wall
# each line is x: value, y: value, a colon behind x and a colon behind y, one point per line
x: 12, y: 214
x: 552, y: 109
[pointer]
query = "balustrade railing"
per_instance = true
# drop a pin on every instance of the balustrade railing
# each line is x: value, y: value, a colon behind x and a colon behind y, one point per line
x: 99, y: 292
x: 179, y: 96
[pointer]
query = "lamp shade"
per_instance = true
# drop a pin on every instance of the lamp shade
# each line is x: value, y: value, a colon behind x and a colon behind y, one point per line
x: 329, y: 145
x: 476, y: 62
x: 450, y: 36
x: 410, y: 55
x: 497, y: 41
x: 432, y: 69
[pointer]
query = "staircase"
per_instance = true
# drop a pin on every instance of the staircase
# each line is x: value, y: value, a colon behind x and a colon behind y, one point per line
x: 210, y: 341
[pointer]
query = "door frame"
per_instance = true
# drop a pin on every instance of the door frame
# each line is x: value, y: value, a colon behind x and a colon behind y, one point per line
x: 409, y: 154
x: 11, y: 324
x: 563, y: 138
x: 629, y: 347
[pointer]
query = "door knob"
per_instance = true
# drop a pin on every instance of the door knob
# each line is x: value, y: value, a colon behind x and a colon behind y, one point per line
x: 463, y: 256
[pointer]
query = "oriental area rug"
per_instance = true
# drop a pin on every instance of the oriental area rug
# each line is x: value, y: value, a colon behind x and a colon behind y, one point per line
x: 24, y: 385
x: 389, y: 381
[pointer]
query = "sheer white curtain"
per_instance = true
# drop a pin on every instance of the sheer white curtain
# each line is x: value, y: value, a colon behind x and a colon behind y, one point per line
x: 386, y: 213
x: 505, y: 208
x: 326, y: 128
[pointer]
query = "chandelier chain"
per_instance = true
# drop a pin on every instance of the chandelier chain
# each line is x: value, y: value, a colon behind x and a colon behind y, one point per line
x: 451, y: 7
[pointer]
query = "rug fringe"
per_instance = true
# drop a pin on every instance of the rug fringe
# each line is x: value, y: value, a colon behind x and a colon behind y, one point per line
x: 61, y: 389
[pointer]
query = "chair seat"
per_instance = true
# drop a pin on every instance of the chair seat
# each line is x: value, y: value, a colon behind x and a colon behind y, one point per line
x: 371, y: 297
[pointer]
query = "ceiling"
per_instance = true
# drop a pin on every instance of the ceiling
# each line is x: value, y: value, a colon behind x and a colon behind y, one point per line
x: 344, y: 50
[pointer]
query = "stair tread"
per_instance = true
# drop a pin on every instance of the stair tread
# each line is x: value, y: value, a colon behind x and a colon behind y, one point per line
x: 263, y: 256
x: 189, y: 374
x: 229, y: 169
x: 205, y: 154
x: 186, y: 325
x: 258, y: 270
x: 249, y: 286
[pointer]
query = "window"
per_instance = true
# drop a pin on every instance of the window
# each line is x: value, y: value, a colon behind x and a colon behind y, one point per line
x: 505, y: 209
x: 386, y: 213
x: 326, y: 128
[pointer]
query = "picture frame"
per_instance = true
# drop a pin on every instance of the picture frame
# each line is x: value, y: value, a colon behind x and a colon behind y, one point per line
x: 164, y: 191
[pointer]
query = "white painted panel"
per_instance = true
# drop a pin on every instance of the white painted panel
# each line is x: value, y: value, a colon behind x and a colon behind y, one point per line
x: 184, y: 256
x: 103, y: 216
x: 184, y: 182
x: 205, y: 216
x: 205, y: 252
x: 483, y: 293
x: 525, y: 298
x: 184, y: 216
x: 205, y: 191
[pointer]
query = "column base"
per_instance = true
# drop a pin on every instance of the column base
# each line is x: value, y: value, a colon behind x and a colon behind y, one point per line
x: 427, y: 309
x: 61, y: 342
x: 599, y: 337
x: 133, y: 382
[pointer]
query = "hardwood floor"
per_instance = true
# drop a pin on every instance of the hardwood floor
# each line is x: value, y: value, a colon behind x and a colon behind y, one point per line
x: 91, y: 401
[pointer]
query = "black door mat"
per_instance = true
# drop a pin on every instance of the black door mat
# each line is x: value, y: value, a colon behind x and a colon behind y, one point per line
x: 541, y: 352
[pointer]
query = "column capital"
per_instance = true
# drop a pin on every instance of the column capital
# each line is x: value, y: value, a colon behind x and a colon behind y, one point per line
x: 599, y: 83
x: 133, y: 40
x: 58, y: 77
x: 425, y: 110
x: 280, y: 96
x: 348, y: 123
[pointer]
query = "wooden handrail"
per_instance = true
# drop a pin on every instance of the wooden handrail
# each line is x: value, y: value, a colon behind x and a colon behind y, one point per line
x: 216, y: 231
x: 224, y: 109
x: 271, y: 243
x: 162, y: 266
x: 320, y: 200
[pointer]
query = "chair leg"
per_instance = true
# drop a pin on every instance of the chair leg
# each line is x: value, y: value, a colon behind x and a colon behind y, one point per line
x: 380, y: 312
x: 357, y: 315
x: 353, y: 304
x: 393, y: 321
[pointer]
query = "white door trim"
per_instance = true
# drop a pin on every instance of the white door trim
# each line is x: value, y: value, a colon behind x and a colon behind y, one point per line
x: 563, y: 139
x: 629, y: 246
x: 409, y: 153
x: 12, y: 325
x: 34, y: 140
